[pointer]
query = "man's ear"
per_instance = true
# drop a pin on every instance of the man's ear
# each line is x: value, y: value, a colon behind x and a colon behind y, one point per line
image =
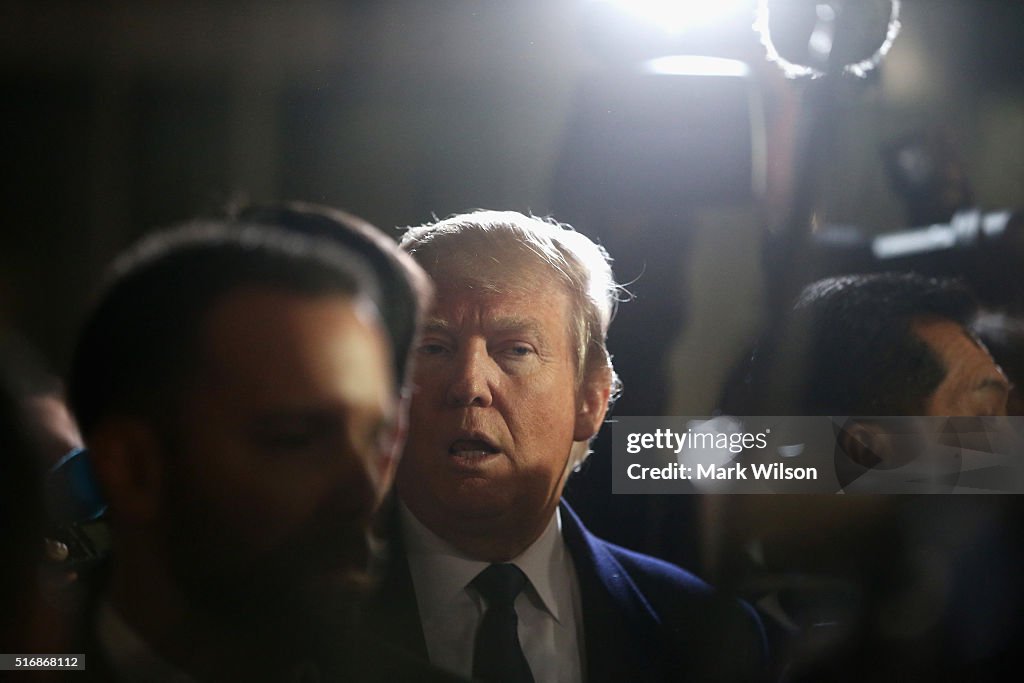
x: 128, y: 461
x: 389, y: 464
x: 592, y: 403
x: 866, y: 444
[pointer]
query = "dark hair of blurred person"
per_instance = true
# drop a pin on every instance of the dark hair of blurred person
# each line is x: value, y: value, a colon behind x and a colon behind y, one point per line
x: 235, y: 386
x: 403, y: 286
x: 140, y: 341
x: 880, y: 344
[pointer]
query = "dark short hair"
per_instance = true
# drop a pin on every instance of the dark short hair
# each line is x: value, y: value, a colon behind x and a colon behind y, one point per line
x: 848, y: 347
x: 140, y: 341
x: 405, y: 289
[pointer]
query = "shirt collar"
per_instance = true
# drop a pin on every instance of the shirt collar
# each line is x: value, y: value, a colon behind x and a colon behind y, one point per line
x: 442, y: 572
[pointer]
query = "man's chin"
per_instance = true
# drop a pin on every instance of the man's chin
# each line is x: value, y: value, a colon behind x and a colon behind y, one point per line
x: 478, y: 500
x: 282, y: 595
x: 342, y: 585
x: 316, y: 609
x: 345, y: 571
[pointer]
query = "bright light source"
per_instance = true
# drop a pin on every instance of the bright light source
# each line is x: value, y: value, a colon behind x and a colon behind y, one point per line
x: 696, y: 65
x: 677, y: 16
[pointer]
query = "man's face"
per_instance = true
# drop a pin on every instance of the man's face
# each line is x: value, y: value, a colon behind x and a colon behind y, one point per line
x: 974, y: 385
x: 282, y: 448
x: 495, y: 408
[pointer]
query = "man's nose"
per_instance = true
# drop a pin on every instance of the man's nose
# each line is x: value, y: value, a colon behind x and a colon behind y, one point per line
x: 472, y: 377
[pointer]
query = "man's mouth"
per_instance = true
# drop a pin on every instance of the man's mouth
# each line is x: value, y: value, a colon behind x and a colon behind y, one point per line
x: 472, y: 450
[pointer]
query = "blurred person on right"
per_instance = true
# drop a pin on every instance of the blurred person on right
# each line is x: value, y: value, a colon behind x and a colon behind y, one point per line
x: 878, y: 587
x: 880, y: 344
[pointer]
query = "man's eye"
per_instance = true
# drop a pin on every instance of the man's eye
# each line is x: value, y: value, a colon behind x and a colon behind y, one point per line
x: 430, y: 349
x: 519, y: 350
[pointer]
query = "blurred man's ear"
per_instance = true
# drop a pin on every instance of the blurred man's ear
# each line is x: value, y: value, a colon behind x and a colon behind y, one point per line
x: 389, y: 465
x: 866, y: 444
x: 592, y: 403
x: 127, y: 459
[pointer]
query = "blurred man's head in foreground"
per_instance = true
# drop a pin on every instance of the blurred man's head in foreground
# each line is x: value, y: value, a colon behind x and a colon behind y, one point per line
x: 237, y: 388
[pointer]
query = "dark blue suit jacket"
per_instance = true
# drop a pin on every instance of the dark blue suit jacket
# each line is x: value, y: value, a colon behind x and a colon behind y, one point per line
x: 643, y: 619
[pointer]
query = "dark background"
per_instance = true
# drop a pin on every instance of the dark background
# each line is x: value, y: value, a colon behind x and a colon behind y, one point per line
x: 120, y: 117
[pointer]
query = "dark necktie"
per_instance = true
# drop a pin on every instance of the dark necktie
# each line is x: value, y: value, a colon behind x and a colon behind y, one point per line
x: 497, y: 655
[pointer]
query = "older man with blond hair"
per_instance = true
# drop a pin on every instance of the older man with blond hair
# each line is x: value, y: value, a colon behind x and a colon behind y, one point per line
x: 494, y: 576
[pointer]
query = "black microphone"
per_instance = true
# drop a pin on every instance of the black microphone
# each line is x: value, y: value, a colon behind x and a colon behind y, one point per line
x: 816, y: 38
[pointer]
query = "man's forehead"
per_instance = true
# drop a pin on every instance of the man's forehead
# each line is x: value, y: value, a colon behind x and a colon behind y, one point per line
x: 510, y: 289
x: 513, y: 266
x: 958, y: 349
x: 270, y: 329
x: 493, y: 322
x: 946, y: 337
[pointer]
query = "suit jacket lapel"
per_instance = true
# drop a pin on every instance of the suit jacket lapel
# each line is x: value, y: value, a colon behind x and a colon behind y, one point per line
x: 620, y: 628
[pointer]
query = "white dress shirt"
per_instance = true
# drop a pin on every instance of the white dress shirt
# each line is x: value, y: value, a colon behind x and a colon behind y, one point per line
x: 548, y: 609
